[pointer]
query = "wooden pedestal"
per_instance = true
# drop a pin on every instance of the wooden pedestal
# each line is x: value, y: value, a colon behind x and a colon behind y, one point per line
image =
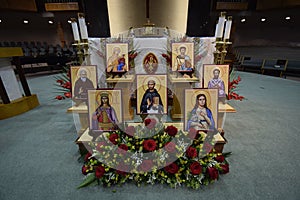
x: 124, y: 84
x: 179, y: 85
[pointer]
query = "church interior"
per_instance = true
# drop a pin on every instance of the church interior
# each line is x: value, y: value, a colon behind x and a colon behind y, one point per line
x: 49, y: 47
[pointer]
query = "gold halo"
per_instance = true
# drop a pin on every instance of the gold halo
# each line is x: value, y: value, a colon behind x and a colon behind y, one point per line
x: 222, y: 71
x: 157, y: 83
x: 98, y: 96
x: 186, y: 49
x: 88, y: 72
x: 206, y: 93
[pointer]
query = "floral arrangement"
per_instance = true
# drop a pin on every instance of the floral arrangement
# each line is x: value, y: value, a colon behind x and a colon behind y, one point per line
x: 63, y: 84
x: 151, y: 153
x: 233, y: 87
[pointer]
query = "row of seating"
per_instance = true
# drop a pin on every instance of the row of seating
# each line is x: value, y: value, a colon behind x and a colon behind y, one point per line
x: 272, y: 66
x: 41, y: 48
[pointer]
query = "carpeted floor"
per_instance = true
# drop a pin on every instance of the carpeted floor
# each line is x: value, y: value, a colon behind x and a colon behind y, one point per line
x: 39, y: 156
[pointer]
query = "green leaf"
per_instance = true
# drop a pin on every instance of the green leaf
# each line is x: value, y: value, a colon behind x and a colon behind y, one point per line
x: 88, y: 180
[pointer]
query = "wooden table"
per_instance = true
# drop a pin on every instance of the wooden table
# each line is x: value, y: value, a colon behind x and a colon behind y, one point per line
x: 82, y: 111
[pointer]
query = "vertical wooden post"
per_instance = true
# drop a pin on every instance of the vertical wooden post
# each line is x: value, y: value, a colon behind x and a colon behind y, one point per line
x: 16, y: 61
x: 3, y: 93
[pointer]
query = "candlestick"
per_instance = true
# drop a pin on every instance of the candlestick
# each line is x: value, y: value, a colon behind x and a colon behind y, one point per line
x: 75, y: 29
x: 221, y: 22
x: 228, y: 28
x: 82, y: 26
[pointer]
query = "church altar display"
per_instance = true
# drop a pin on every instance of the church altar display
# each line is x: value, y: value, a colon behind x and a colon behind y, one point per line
x: 151, y: 153
x: 141, y: 70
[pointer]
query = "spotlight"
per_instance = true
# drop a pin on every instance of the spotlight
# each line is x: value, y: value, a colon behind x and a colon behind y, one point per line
x: 263, y: 19
x: 288, y: 18
x: 69, y: 21
x: 50, y: 22
x: 25, y: 21
x: 243, y: 20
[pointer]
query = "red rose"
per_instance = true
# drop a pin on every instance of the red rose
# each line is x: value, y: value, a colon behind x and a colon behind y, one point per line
x: 99, y: 171
x: 195, y: 168
x: 113, y: 138
x: 86, y: 157
x: 68, y: 94
x: 59, y: 81
x: 146, y: 165
x: 225, y: 168
x: 59, y: 97
x: 122, y: 149
x: 84, y: 170
x: 150, y: 123
x: 170, y: 147
x: 191, y: 152
x: 130, y: 130
x: 171, y: 130
x: 122, y: 169
x: 172, y: 168
x: 149, y: 145
x: 220, y: 158
x: 100, y: 146
x: 213, y: 173
x: 192, y: 133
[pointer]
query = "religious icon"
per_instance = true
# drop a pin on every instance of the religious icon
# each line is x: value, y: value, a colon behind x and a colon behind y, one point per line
x: 117, y: 57
x: 83, y: 78
x: 183, y: 56
x: 151, y: 94
x: 217, y: 76
x: 150, y: 63
x: 201, y: 109
x: 105, y: 109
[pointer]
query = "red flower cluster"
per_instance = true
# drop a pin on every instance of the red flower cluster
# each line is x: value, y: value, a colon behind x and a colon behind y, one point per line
x: 220, y: 158
x: 149, y: 145
x: 225, y: 168
x: 170, y: 147
x: 191, y: 152
x: 132, y: 55
x: 232, y: 86
x: 172, y: 168
x: 130, y: 130
x: 213, y: 173
x: 171, y: 130
x: 99, y: 171
x: 113, y: 138
x: 150, y: 123
x: 122, y: 149
x: 167, y: 57
x: 146, y: 165
x: 195, y: 168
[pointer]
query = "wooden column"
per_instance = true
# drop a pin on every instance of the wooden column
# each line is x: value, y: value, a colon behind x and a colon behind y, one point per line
x: 16, y: 61
x: 3, y: 93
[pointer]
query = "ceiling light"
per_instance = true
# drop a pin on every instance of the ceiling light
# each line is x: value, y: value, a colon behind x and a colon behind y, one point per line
x: 243, y: 20
x: 263, y: 19
x: 288, y: 18
x: 25, y: 21
x: 0, y: 20
x: 69, y: 21
x: 50, y: 22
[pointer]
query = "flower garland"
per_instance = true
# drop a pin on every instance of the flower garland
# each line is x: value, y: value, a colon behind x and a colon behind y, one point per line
x: 232, y: 95
x: 63, y: 84
x: 178, y: 158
